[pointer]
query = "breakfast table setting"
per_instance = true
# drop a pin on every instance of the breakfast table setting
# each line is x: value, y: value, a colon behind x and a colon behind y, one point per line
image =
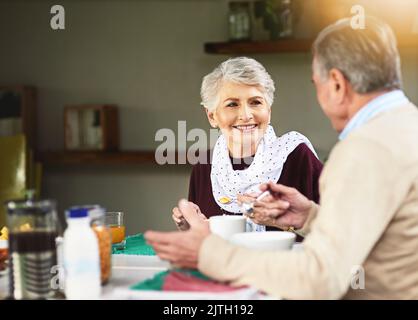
x: 137, y: 273
x: 94, y: 252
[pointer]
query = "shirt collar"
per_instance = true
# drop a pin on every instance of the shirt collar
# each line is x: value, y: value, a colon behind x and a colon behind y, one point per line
x: 376, y: 106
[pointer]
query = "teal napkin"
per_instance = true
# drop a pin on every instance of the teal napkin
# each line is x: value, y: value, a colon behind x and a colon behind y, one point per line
x: 135, y: 245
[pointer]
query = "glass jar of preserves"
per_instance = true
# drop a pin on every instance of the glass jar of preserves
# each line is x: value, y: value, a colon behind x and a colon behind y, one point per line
x: 104, y: 237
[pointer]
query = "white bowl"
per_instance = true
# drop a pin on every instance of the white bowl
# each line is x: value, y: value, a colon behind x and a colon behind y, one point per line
x: 227, y: 225
x: 265, y: 241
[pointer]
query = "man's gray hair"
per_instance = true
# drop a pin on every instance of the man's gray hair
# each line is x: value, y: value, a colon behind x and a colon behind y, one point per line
x: 368, y: 58
x: 241, y: 70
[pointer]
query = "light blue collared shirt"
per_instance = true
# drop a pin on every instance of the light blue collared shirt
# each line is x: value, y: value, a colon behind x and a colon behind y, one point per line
x: 378, y: 105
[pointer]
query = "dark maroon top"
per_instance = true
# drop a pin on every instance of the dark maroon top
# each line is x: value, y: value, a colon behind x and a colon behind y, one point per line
x: 301, y: 171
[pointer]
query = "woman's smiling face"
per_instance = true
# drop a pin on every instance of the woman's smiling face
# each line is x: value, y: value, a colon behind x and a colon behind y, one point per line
x: 242, y: 115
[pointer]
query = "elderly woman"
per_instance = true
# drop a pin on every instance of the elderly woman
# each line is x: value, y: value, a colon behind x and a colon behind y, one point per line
x: 237, y: 97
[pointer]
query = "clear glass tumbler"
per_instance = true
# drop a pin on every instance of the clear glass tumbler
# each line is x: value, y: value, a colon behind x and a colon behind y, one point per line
x: 114, y: 221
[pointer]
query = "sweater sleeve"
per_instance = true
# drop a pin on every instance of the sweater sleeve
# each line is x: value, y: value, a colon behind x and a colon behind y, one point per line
x: 193, y: 184
x: 353, y: 215
x: 301, y: 171
x: 200, y: 190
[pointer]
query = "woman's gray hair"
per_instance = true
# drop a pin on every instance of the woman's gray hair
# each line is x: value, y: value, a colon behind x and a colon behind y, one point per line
x: 241, y: 70
x: 368, y: 58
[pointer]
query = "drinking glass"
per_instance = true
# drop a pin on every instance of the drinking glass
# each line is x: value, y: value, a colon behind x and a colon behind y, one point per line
x: 114, y: 220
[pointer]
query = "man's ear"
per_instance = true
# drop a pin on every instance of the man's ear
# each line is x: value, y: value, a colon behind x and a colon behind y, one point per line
x: 339, y: 86
x: 211, y: 118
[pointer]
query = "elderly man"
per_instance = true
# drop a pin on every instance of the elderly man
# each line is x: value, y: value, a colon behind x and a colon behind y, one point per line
x: 367, y: 221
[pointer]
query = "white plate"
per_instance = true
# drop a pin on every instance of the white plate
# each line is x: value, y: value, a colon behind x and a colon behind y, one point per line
x: 241, y: 294
x: 135, y: 261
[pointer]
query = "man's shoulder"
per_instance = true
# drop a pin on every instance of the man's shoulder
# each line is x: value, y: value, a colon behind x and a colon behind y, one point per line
x: 390, y: 137
x: 396, y: 118
x: 396, y: 131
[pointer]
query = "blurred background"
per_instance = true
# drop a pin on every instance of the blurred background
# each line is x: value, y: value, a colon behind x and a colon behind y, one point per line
x: 148, y: 58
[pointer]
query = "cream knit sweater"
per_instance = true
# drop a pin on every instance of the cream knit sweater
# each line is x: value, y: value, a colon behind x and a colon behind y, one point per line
x: 367, y: 221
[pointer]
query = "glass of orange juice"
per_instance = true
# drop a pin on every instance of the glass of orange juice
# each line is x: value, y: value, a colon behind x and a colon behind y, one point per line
x: 114, y: 220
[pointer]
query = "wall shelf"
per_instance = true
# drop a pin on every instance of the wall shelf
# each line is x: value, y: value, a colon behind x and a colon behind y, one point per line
x: 284, y: 45
x: 246, y: 47
x: 51, y: 158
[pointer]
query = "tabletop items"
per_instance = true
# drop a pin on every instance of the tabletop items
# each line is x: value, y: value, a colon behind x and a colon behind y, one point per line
x: 42, y: 263
x: 32, y: 228
x: 182, y: 280
x: 108, y: 231
x: 114, y: 220
x: 136, y: 245
x: 4, y: 248
x: 104, y: 236
x: 81, y: 257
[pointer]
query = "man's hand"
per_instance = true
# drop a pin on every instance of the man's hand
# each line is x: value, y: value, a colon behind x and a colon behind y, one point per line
x: 257, y: 218
x: 286, y: 206
x: 181, y: 248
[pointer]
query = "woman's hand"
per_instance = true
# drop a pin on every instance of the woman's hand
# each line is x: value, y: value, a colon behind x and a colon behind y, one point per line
x: 179, y: 219
x: 286, y: 206
x: 181, y: 249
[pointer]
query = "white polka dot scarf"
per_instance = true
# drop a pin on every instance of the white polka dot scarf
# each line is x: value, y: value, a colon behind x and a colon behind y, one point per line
x: 266, y: 166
